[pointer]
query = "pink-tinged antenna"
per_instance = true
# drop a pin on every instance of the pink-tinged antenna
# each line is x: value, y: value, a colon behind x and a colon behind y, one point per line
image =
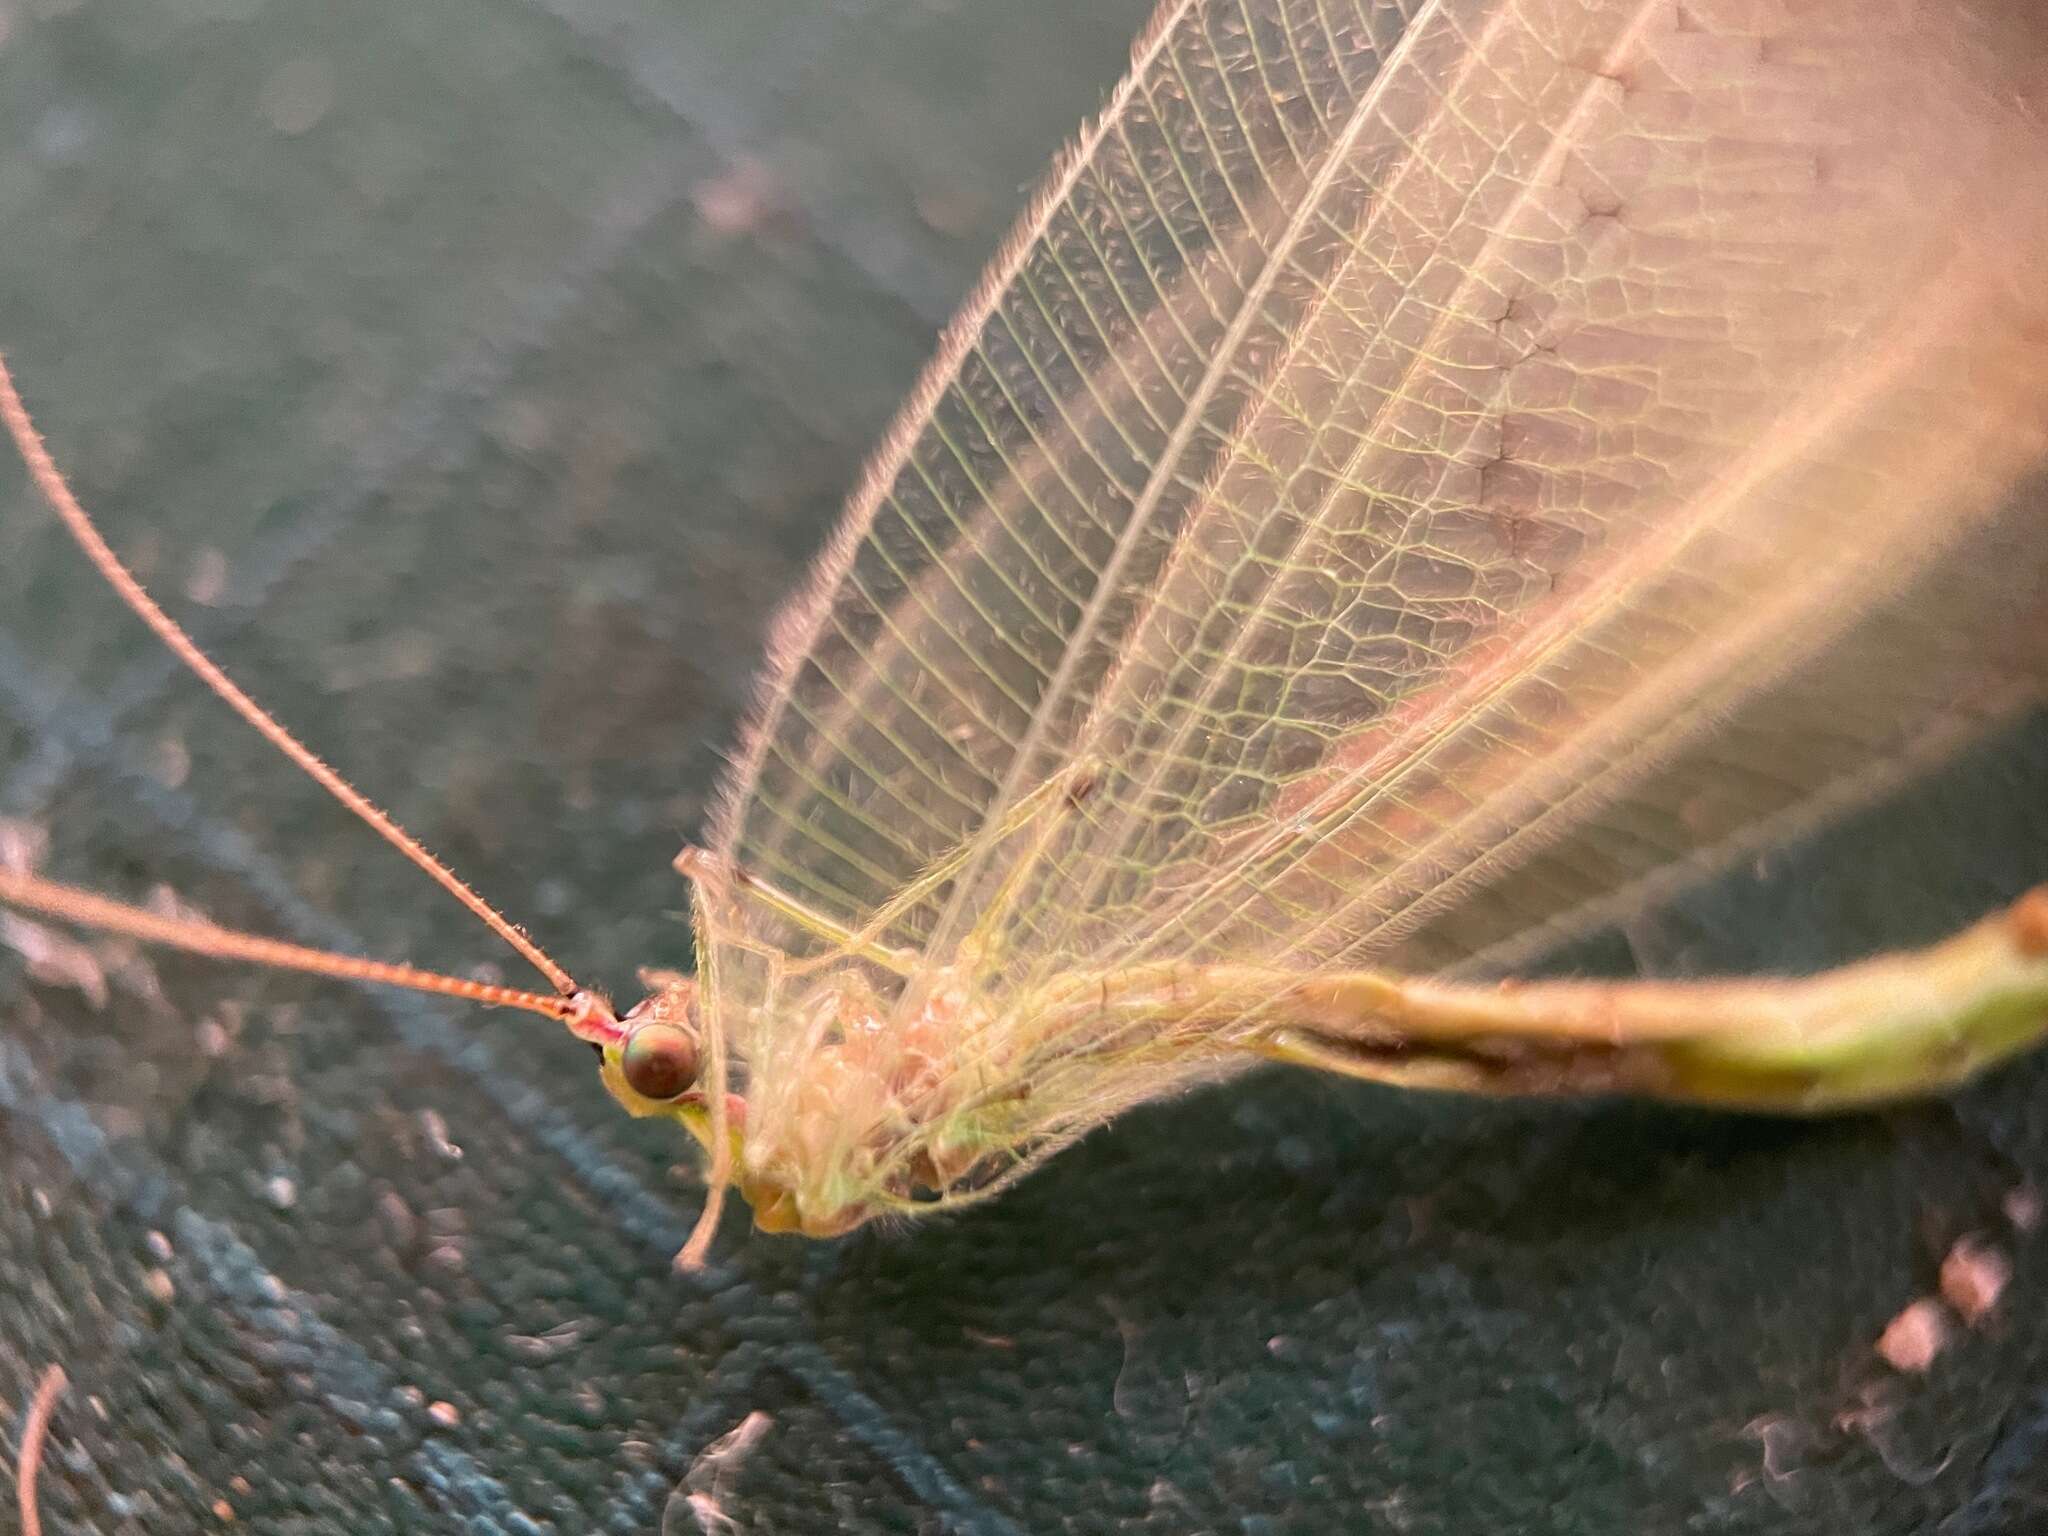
x: 35, y: 1429
x: 587, y: 1015
x: 49, y: 481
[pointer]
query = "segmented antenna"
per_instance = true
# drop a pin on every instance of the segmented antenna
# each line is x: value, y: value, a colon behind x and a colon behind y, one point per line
x: 35, y: 1429
x: 587, y: 1015
x: 49, y: 480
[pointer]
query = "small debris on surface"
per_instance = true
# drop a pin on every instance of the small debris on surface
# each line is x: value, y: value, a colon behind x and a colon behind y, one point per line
x: 541, y: 1347
x: 1784, y: 1441
x: 1973, y: 1276
x: 281, y: 1192
x: 1912, y: 1340
x: 709, y: 1515
x: 55, y: 960
x: 2023, y: 1207
x: 22, y: 844
x: 436, y: 1130
x: 160, y: 1286
x: 1877, y: 1422
x: 159, y: 1247
x: 698, y: 1503
x: 731, y: 1449
x: 445, y: 1414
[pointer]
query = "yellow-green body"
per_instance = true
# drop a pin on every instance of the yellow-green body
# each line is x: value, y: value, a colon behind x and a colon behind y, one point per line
x: 871, y: 1118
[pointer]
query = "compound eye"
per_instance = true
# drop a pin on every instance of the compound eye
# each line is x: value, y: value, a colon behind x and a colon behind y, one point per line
x: 659, y: 1061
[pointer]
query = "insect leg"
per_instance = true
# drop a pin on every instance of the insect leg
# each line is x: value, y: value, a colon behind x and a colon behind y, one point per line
x: 1067, y: 791
x: 718, y: 877
x: 865, y: 942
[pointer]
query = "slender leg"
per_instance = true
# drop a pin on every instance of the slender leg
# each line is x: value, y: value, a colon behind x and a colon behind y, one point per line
x: 714, y: 872
x: 718, y: 877
x: 1066, y: 793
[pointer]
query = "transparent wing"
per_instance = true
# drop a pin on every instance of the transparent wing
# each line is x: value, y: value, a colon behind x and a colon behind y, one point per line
x: 1423, y: 470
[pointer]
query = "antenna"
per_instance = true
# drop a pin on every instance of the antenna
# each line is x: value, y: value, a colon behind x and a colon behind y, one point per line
x: 35, y: 1429
x: 49, y: 481
x: 587, y: 1015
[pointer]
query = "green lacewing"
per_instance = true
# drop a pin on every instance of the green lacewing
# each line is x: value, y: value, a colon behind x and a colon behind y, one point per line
x: 1415, y: 485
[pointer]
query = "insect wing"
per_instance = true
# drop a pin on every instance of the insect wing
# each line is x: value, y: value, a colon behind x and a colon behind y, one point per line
x: 1409, y: 481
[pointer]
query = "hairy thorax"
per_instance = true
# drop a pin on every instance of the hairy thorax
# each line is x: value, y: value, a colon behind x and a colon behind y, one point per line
x: 847, y: 1105
x: 873, y: 1105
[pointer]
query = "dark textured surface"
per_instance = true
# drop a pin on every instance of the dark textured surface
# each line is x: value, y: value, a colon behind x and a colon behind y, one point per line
x: 513, y: 357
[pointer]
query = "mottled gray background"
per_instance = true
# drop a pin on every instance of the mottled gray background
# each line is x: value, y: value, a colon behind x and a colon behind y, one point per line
x: 475, y: 375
